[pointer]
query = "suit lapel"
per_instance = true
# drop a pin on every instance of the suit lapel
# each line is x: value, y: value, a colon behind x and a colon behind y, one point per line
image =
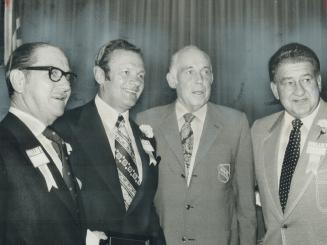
x: 211, y: 129
x: 301, y: 179
x: 94, y: 137
x: 26, y: 141
x: 170, y: 132
x: 270, y: 160
x: 145, y: 167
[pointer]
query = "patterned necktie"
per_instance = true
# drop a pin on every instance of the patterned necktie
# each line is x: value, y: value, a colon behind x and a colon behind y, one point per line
x: 291, y: 157
x: 125, y: 161
x: 187, y: 139
x: 60, y: 148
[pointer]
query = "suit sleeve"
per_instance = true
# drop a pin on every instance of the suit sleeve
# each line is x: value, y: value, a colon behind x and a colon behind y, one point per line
x: 157, y: 232
x: 244, y: 186
x: 3, y: 201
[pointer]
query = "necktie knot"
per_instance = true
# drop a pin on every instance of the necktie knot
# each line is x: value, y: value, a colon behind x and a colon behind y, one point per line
x: 59, y: 146
x: 52, y: 135
x: 297, y: 123
x: 120, y: 121
x: 188, y: 117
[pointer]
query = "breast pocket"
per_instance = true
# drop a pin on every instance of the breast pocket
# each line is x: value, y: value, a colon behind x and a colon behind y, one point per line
x: 321, y: 190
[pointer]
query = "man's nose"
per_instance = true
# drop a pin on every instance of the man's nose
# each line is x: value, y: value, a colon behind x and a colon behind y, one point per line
x: 64, y: 84
x: 136, y: 80
x: 299, y: 89
x: 198, y: 77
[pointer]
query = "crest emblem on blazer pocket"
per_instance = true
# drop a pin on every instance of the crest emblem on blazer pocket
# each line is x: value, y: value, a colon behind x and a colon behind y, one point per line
x: 223, y: 170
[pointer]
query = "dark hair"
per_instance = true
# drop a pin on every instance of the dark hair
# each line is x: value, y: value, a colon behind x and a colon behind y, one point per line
x: 105, y: 52
x: 294, y: 52
x: 22, y: 57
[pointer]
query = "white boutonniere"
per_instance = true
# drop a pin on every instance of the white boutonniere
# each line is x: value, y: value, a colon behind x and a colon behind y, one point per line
x: 147, y: 130
x: 323, y: 127
x: 146, y: 144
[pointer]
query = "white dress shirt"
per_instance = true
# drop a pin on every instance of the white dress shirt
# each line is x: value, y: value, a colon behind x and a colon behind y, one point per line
x: 109, y: 118
x: 37, y: 127
x: 285, y: 133
x: 197, y: 127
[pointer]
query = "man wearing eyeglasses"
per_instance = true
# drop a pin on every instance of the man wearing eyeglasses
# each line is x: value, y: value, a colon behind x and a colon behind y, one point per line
x: 39, y: 195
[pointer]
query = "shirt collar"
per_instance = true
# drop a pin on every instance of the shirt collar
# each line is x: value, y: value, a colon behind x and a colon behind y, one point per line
x: 199, y: 114
x: 35, y: 125
x: 307, y: 121
x: 108, y: 114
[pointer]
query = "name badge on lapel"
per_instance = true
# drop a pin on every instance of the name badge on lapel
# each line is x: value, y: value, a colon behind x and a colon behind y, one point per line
x: 148, y: 148
x: 223, y: 172
x: 37, y: 156
x: 40, y: 161
x: 316, y: 151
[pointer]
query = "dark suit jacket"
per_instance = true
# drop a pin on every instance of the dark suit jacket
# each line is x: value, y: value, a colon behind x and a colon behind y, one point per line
x: 29, y: 213
x: 94, y: 163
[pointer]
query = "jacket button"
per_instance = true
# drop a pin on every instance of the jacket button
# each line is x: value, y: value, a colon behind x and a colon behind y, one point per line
x: 284, y: 226
x: 188, y: 206
x: 184, y: 239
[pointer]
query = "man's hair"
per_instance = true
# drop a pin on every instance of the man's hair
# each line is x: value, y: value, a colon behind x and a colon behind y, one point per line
x: 175, y: 56
x: 22, y: 57
x: 104, y: 54
x: 293, y: 52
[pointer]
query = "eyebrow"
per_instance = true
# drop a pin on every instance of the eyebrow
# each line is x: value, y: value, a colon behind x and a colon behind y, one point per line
x: 290, y: 78
x: 207, y: 67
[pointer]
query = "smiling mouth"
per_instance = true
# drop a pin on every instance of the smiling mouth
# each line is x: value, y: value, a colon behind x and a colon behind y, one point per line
x: 60, y: 97
x: 131, y: 91
x: 300, y: 100
x: 198, y: 92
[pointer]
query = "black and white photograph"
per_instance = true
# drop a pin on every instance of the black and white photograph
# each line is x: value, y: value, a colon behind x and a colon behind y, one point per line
x: 163, y: 122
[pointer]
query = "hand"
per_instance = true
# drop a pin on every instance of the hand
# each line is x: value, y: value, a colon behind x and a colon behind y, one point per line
x: 94, y: 237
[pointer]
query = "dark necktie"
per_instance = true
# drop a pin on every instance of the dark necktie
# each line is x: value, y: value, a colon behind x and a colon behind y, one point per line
x: 187, y: 139
x: 125, y: 161
x: 60, y: 148
x: 291, y: 158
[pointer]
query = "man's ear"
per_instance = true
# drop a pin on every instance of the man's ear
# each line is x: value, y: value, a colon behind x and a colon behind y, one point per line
x: 171, y: 79
x: 274, y: 90
x: 99, y: 74
x: 18, y: 80
x: 319, y: 82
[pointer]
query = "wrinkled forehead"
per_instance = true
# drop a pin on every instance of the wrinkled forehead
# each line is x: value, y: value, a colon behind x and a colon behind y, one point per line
x: 193, y: 58
x: 50, y: 56
x: 303, y: 64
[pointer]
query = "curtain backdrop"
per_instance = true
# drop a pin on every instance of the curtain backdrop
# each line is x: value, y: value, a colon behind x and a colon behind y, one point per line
x: 239, y: 35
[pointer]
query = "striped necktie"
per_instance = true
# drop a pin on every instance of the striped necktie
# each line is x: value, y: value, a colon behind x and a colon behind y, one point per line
x: 125, y: 161
x: 187, y: 139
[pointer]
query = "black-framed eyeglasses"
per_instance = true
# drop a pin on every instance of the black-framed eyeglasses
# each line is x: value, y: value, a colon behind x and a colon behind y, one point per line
x: 55, y: 73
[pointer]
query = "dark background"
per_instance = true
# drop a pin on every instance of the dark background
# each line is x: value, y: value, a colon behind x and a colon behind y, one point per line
x: 239, y: 36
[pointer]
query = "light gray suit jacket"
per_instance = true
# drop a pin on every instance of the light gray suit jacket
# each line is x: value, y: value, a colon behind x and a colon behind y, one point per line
x: 304, y: 221
x: 218, y: 206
